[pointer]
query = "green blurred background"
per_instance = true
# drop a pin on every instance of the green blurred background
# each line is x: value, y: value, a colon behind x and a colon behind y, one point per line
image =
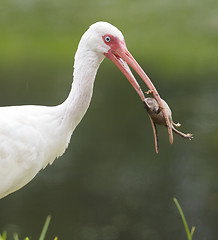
x: 110, y: 184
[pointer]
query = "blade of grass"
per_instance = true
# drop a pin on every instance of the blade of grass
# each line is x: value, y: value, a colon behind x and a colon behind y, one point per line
x: 45, y: 228
x: 192, y: 230
x: 16, y: 236
x: 3, y: 236
x: 189, y: 234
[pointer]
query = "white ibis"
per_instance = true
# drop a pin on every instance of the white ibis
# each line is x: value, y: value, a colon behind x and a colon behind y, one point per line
x: 33, y: 136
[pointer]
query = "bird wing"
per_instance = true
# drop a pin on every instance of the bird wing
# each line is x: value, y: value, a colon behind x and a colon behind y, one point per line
x: 29, y: 140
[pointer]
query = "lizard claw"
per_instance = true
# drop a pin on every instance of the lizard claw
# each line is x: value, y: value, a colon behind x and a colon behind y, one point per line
x: 149, y: 92
x: 176, y: 124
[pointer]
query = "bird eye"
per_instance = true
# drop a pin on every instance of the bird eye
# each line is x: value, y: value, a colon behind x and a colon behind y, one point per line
x: 107, y: 39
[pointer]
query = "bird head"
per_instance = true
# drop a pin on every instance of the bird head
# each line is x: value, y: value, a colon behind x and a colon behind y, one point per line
x: 105, y: 40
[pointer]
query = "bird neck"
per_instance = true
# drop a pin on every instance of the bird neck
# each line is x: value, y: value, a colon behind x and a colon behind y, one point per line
x: 85, y: 69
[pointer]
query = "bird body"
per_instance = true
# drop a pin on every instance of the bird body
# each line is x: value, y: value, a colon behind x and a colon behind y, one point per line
x: 31, y: 137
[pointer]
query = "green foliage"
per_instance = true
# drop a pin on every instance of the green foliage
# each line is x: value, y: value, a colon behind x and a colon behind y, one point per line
x: 188, y: 232
x: 169, y: 33
x: 45, y: 228
x: 42, y: 235
x: 48, y: 219
x: 3, y: 236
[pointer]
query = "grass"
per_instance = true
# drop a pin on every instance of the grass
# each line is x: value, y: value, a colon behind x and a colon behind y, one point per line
x: 3, y: 236
x: 188, y: 232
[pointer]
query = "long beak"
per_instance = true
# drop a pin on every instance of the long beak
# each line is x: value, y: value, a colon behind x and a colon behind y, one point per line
x: 122, y: 57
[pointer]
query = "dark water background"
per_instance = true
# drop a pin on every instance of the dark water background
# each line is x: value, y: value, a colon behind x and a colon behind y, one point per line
x: 110, y: 184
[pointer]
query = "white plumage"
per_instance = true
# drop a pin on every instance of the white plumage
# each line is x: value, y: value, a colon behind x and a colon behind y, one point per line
x: 33, y: 136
